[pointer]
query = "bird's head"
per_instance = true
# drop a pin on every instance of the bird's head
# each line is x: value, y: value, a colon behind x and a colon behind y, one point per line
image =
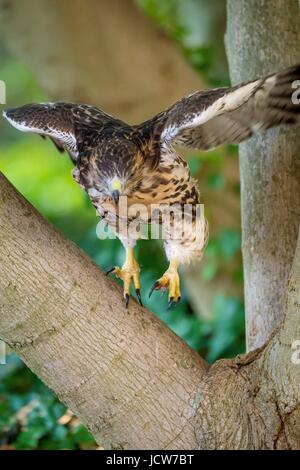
x: 118, y: 169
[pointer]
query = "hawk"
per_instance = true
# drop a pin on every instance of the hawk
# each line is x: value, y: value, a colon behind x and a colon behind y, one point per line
x: 113, y: 159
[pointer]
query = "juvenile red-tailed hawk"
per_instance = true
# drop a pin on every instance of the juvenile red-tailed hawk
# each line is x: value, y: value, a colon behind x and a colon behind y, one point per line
x: 114, y: 159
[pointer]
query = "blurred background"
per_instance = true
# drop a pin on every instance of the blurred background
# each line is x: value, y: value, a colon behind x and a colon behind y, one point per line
x: 132, y: 58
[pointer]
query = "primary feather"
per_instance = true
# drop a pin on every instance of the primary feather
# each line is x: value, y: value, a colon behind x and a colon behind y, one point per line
x: 209, y: 118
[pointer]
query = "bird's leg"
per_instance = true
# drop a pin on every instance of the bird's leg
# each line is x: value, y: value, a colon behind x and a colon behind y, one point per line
x: 169, y: 280
x: 129, y: 271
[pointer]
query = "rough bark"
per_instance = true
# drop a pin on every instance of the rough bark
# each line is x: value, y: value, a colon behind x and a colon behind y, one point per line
x: 128, y: 377
x: 132, y: 381
x: 266, y: 35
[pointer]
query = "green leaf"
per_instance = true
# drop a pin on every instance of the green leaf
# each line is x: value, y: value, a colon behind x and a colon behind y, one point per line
x: 229, y: 242
x: 209, y: 271
x: 29, y: 438
x: 216, y: 181
x: 81, y: 435
x: 195, y: 163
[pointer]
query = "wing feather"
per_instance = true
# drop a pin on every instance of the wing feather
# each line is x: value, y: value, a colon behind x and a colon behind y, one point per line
x: 210, y: 118
x: 66, y: 124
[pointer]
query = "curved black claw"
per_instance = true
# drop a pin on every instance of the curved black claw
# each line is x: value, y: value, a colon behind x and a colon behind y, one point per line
x: 173, y: 303
x: 126, y: 297
x: 170, y: 303
x: 155, y: 285
x: 110, y: 271
x: 138, y: 294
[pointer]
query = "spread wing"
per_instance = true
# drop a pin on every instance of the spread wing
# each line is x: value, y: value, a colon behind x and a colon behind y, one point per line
x: 210, y: 118
x: 68, y: 125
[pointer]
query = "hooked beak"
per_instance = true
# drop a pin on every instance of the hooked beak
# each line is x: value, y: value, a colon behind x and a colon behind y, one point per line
x: 116, y: 196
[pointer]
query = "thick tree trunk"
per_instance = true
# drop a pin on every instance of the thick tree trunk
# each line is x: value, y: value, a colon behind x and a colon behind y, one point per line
x: 267, y: 38
x: 132, y: 381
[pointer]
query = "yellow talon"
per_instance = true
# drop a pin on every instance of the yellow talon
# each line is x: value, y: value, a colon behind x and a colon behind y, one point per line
x: 129, y: 271
x: 170, y: 280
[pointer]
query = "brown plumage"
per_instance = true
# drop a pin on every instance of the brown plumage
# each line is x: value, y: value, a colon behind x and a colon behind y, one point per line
x: 114, y: 159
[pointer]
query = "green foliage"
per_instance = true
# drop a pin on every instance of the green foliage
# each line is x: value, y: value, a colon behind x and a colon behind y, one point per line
x: 31, y: 416
x: 221, y: 248
x: 166, y: 14
x: 176, y: 18
x: 227, y: 328
x: 52, y: 176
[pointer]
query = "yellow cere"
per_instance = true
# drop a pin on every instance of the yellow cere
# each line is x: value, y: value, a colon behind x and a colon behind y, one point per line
x: 116, y: 185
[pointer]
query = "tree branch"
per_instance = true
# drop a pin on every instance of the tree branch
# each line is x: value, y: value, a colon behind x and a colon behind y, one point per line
x: 123, y: 373
x: 132, y: 381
